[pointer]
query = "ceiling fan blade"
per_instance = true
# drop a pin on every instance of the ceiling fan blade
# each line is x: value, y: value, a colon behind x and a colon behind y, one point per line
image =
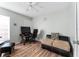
x: 36, y: 3
x: 39, y: 6
x: 31, y: 6
x: 35, y: 9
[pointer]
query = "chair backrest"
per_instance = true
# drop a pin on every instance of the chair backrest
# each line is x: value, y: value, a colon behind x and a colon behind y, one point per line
x: 35, y: 32
x: 25, y: 30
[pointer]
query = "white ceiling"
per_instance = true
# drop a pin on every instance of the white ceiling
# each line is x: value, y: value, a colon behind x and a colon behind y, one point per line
x: 45, y: 7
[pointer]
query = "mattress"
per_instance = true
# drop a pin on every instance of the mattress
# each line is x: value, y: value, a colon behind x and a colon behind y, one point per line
x: 47, y: 41
x: 64, y: 45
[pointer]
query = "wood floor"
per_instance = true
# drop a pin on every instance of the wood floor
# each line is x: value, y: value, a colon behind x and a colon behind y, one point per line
x: 32, y: 50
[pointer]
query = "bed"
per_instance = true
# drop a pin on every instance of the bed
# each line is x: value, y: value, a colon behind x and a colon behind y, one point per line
x: 61, y: 46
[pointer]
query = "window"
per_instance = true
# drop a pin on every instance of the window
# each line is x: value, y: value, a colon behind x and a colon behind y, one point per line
x: 4, y: 28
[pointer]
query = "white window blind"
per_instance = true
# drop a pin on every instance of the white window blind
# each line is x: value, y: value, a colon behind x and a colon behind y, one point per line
x: 4, y: 28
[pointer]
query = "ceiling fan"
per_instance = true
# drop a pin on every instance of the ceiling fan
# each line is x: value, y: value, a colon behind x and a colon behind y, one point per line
x: 33, y: 6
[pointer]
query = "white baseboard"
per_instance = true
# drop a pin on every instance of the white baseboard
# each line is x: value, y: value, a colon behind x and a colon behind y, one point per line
x: 17, y: 43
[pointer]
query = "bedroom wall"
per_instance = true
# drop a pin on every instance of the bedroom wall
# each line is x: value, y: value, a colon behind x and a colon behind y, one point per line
x: 20, y: 20
x: 62, y: 22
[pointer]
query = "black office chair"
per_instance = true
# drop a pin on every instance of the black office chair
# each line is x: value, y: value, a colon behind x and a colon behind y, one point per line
x: 34, y: 35
x: 25, y: 34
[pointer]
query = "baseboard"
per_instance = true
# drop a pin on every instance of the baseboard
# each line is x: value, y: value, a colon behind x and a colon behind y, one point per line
x: 16, y: 43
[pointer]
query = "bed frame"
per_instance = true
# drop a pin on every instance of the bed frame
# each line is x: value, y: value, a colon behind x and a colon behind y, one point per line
x: 60, y: 51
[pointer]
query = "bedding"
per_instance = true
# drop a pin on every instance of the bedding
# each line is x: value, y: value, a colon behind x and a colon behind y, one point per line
x: 64, y: 45
x: 47, y: 41
x: 61, y: 46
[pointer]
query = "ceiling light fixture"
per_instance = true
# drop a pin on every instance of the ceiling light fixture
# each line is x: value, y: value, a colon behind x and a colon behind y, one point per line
x: 32, y: 6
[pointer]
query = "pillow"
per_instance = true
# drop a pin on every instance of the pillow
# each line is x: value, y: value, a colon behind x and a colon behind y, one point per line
x: 64, y: 45
x: 55, y: 35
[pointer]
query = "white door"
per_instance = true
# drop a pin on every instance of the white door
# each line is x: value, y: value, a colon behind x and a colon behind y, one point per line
x: 77, y: 14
